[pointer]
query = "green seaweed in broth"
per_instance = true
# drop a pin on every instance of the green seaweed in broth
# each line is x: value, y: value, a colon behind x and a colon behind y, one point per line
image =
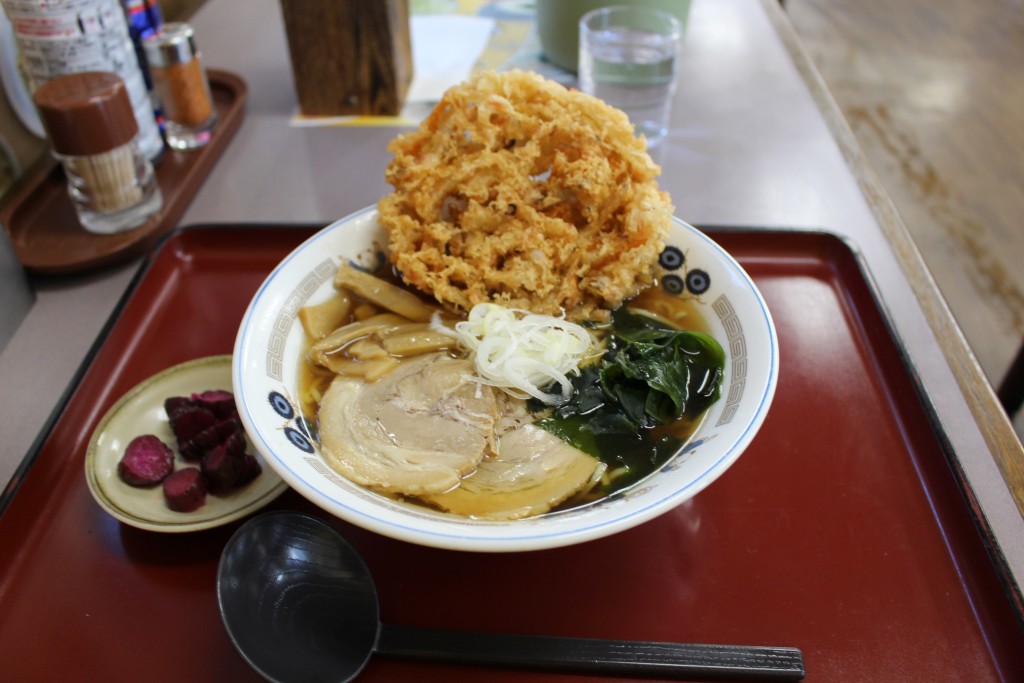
x: 660, y: 361
x: 636, y: 458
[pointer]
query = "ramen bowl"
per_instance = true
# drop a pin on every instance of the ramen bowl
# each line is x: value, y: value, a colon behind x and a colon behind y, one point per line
x: 266, y: 373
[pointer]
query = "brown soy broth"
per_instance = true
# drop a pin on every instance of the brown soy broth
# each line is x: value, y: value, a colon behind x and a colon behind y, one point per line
x: 313, y: 383
x: 628, y: 461
x: 314, y: 379
x: 683, y: 313
x: 678, y: 312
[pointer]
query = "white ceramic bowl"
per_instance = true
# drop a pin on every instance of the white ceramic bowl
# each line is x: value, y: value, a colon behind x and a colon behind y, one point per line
x: 265, y: 377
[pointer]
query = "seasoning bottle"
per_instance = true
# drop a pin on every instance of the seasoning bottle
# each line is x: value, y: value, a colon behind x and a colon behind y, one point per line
x: 181, y: 86
x: 144, y: 19
x: 60, y: 37
x: 89, y: 120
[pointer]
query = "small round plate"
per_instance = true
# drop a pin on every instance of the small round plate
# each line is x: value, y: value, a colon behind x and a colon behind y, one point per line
x: 141, y: 411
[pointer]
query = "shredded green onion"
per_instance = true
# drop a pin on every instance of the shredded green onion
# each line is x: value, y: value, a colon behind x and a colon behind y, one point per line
x: 523, y: 352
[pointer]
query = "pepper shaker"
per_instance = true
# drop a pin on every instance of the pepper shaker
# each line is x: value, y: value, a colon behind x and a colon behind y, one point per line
x: 89, y: 120
x: 181, y: 86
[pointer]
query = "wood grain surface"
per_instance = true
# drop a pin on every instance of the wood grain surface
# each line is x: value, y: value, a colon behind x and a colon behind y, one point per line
x: 349, y: 57
x: 993, y: 422
x: 930, y: 92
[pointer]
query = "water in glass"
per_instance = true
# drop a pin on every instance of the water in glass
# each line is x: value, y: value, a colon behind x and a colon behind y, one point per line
x: 633, y: 70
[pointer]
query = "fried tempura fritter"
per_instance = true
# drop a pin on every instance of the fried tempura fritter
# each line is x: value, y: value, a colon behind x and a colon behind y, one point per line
x: 519, y: 191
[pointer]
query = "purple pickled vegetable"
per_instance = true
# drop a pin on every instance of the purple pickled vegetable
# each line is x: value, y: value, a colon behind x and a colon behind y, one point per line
x: 175, y: 405
x: 235, y: 442
x: 187, y: 423
x: 209, y: 438
x: 185, y: 490
x: 221, y: 403
x: 146, y: 461
x: 207, y: 429
x: 222, y: 468
x: 251, y: 469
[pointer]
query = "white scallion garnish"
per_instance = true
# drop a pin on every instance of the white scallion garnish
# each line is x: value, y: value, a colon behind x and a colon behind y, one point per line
x: 523, y: 352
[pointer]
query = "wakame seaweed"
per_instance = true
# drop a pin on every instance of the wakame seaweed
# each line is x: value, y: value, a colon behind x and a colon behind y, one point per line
x: 651, y: 375
x: 659, y: 374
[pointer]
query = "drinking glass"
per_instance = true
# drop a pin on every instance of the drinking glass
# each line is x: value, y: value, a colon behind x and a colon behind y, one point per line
x: 629, y: 57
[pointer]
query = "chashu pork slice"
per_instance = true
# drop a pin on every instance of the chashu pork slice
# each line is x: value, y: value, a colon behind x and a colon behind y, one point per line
x: 415, y: 431
x: 534, y: 471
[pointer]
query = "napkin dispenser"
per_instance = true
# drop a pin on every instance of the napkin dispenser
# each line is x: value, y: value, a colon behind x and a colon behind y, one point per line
x: 349, y: 57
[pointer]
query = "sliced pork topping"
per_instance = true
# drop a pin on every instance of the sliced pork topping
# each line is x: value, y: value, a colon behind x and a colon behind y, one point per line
x: 418, y: 430
x: 534, y: 471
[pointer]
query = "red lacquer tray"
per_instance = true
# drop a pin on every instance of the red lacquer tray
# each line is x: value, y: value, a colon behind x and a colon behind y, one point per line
x: 843, y: 530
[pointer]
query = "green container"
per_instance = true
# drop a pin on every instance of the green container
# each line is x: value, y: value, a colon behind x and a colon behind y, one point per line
x: 558, y: 24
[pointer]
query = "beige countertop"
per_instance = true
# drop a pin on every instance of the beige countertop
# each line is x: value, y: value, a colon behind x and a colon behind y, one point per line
x: 755, y: 141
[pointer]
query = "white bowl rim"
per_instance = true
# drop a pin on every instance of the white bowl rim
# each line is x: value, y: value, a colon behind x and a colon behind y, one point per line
x: 480, y: 535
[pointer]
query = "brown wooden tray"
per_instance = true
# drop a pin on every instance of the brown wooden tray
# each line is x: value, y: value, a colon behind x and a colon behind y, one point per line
x: 45, y: 231
x: 843, y: 530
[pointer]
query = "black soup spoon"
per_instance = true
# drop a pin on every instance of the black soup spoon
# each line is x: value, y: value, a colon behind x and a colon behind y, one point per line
x: 299, y: 604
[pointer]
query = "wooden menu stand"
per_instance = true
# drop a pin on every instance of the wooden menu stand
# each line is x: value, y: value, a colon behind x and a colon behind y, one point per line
x: 349, y: 57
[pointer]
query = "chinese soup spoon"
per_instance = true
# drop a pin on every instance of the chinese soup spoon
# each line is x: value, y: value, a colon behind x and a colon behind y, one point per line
x: 299, y: 604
